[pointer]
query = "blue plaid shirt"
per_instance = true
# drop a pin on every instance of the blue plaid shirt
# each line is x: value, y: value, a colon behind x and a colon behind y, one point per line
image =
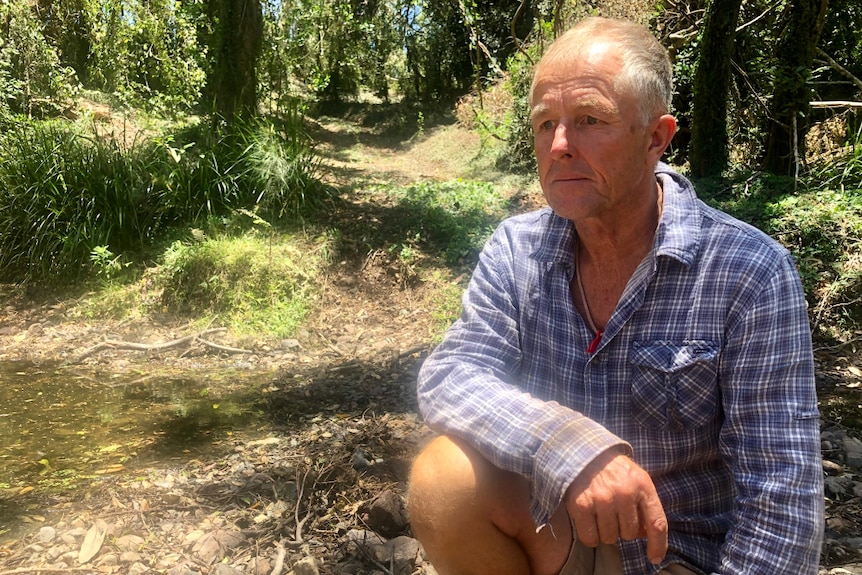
x: 705, y: 373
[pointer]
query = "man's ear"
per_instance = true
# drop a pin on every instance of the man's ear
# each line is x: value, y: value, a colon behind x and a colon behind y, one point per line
x: 662, y: 129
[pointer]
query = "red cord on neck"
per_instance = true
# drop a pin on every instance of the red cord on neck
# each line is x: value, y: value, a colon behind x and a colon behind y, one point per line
x: 594, y: 345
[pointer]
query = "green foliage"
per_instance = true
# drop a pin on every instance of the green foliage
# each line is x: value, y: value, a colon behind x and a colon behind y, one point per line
x: 65, y: 192
x: 251, y: 283
x: 62, y: 193
x: 285, y: 168
x: 32, y: 81
x: 821, y: 224
x: 147, y: 53
x: 453, y: 219
x: 518, y: 155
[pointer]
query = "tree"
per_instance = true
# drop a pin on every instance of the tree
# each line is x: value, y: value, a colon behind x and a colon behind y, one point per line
x: 709, y: 140
x: 785, y: 141
x: 232, y: 83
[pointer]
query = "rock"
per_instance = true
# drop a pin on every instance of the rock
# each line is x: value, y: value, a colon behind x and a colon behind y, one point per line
x: 290, y: 344
x: 46, y: 534
x: 57, y: 550
x: 130, y: 556
x: 259, y: 566
x: 306, y: 566
x: 835, y: 486
x: 401, y: 552
x: 364, y: 538
x: 386, y: 514
x: 853, y: 542
x: 110, y: 559
x: 213, y: 546
x: 129, y: 542
x: 853, y: 448
x: 360, y: 460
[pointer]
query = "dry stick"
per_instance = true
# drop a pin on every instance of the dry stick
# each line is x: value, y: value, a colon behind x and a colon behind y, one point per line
x: 47, y: 570
x: 841, y: 69
x: 279, y: 560
x: 117, y: 344
x: 298, y: 540
x: 224, y: 348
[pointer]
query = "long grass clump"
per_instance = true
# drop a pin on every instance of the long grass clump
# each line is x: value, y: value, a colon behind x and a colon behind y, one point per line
x: 65, y: 191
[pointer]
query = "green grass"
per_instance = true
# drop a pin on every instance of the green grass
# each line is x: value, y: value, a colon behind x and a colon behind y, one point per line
x: 66, y: 192
x: 251, y: 283
x: 449, y: 220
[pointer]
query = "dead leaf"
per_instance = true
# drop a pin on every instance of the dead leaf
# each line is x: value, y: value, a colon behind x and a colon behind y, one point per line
x: 855, y: 370
x: 93, y: 541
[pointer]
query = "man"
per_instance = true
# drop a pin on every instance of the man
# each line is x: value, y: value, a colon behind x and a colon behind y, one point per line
x: 629, y: 389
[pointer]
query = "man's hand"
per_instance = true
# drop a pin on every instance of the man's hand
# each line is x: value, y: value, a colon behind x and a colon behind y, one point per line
x: 614, y: 497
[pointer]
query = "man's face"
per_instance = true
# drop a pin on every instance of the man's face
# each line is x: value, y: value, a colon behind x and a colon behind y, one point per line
x: 592, y: 151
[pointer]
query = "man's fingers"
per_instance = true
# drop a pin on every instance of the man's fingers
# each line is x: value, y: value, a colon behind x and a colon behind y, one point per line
x: 586, y: 528
x: 654, y: 523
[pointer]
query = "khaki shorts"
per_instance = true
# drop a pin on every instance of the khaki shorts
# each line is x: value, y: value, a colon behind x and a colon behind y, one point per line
x: 605, y: 560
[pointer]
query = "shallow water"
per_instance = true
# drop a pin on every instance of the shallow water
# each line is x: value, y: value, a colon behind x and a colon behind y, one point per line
x: 58, y: 427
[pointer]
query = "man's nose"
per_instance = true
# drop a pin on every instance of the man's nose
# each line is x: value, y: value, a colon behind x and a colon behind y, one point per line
x: 561, y: 146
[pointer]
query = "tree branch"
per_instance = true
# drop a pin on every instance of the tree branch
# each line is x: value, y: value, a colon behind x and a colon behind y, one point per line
x: 841, y: 69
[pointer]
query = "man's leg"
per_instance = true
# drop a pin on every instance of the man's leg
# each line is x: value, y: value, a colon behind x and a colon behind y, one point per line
x: 473, y: 518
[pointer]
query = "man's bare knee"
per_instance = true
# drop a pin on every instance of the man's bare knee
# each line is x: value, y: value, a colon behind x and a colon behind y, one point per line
x: 442, y: 484
x: 471, y: 515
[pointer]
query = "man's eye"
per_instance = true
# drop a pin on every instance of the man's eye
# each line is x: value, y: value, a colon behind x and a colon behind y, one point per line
x: 591, y: 120
x: 546, y: 125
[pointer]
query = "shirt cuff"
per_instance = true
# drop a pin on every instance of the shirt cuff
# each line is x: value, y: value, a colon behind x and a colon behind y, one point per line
x: 562, y: 457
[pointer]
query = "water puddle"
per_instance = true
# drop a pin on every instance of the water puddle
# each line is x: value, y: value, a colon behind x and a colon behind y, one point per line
x: 59, y: 427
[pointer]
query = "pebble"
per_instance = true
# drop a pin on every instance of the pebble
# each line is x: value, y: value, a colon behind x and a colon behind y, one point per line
x: 46, y: 534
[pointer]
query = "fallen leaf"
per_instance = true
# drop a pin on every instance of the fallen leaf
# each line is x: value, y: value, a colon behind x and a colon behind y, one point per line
x: 93, y: 541
x: 116, y: 468
x: 26, y: 490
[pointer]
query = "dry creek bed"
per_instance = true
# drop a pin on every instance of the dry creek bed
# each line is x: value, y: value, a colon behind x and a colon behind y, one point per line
x: 322, y: 492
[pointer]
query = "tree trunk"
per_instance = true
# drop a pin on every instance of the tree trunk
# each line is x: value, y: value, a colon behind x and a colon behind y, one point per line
x: 788, y: 124
x: 709, y: 140
x: 233, y: 79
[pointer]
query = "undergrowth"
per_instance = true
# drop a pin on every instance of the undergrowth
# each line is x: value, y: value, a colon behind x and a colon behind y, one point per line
x: 66, y: 191
x: 819, y: 219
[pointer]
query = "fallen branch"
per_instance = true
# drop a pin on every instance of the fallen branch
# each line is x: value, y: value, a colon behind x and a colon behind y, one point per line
x: 224, y: 348
x: 48, y: 570
x: 841, y: 69
x: 279, y: 560
x: 835, y: 104
x: 118, y: 344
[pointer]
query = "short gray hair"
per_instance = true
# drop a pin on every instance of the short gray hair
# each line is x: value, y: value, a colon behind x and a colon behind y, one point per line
x: 646, y: 69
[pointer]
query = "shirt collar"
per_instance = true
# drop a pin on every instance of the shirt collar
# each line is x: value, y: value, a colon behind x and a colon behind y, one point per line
x: 677, y: 236
x: 679, y: 229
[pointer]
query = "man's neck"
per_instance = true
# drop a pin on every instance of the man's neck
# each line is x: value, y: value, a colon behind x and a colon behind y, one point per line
x: 621, y: 239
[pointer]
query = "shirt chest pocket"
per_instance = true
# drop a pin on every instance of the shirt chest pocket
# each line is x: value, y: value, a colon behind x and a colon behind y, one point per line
x: 675, y: 384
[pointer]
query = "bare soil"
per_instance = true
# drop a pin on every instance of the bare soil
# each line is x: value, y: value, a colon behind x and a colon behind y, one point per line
x: 303, y: 493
